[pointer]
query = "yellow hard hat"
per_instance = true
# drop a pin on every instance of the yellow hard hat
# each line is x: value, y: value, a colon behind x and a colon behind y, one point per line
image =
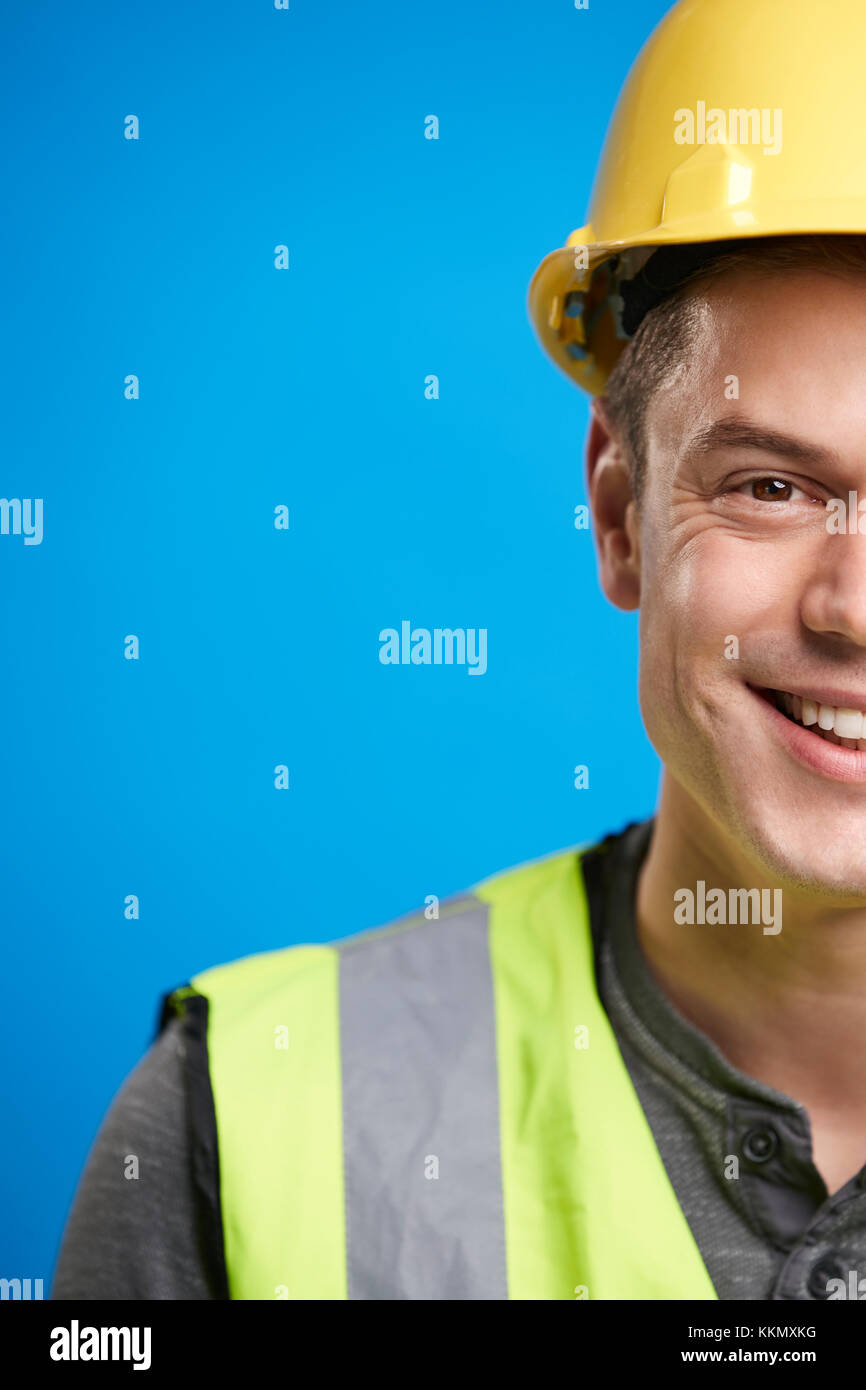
x: 739, y: 119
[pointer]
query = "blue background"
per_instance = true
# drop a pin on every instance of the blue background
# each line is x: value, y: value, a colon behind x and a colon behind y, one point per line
x: 259, y: 387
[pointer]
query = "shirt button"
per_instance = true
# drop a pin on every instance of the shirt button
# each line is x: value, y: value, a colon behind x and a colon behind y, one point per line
x: 820, y: 1275
x: 759, y: 1145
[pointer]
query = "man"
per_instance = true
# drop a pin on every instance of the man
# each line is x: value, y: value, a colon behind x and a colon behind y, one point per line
x: 631, y: 1070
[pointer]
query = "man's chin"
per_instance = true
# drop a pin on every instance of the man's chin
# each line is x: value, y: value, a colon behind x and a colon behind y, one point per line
x: 734, y: 784
x: 815, y: 860
x: 811, y: 846
x: 806, y: 833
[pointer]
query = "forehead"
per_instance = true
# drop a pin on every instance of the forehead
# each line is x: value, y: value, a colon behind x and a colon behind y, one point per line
x: 785, y: 346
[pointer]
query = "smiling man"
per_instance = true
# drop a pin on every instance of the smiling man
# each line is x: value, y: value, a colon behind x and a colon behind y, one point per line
x: 714, y: 306
x: 632, y: 1070
x: 753, y: 660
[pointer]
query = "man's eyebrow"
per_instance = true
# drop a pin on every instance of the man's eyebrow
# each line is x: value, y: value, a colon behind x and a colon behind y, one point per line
x: 746, y: 434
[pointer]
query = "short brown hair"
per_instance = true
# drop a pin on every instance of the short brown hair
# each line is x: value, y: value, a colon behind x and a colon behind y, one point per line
x: 666, y: 336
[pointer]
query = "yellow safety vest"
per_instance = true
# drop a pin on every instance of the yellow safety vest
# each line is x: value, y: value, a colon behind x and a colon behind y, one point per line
x: 438, y: 1109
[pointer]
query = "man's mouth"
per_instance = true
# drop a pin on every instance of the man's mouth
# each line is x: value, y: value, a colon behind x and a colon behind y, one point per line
x: 832, y: 723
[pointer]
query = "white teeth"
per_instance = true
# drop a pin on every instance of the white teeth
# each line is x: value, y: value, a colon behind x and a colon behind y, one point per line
x: 841, y: 725
x: 848, y: 723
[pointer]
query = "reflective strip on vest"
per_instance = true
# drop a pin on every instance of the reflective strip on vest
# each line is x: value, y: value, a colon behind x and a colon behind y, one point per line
x: 439, y: 1110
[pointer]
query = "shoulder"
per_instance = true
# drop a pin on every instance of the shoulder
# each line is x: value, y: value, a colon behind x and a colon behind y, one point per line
x: 137, y: 1228
x: 441, y: 928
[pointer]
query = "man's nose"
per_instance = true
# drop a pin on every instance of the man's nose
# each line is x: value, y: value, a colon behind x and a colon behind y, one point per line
x: 834, y: 601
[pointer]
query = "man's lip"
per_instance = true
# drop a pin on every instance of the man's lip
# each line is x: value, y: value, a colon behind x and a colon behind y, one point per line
x: 821, y: 694
x: 831, y: 760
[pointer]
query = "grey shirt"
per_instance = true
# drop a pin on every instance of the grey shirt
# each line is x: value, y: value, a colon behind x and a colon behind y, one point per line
x: 770, y: 1232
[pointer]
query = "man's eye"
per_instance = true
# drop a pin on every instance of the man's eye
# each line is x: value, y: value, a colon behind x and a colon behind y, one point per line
x: 771, y: 490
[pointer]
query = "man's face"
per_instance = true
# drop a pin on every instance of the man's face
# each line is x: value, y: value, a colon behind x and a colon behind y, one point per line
x: 744, y: 589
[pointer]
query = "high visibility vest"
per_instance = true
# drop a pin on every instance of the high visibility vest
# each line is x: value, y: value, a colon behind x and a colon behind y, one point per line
x: 438, y: 1109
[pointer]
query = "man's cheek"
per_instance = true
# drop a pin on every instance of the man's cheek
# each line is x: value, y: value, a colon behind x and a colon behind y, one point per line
x: 712, y: 601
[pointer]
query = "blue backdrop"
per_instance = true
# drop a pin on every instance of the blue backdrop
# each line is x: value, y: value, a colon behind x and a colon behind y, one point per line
x: 260, y: 387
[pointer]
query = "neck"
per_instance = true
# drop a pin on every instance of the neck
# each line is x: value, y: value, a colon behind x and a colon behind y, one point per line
x: 787, y: 1008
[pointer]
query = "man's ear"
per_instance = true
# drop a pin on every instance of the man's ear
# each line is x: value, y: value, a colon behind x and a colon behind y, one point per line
x: 614, y: 511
